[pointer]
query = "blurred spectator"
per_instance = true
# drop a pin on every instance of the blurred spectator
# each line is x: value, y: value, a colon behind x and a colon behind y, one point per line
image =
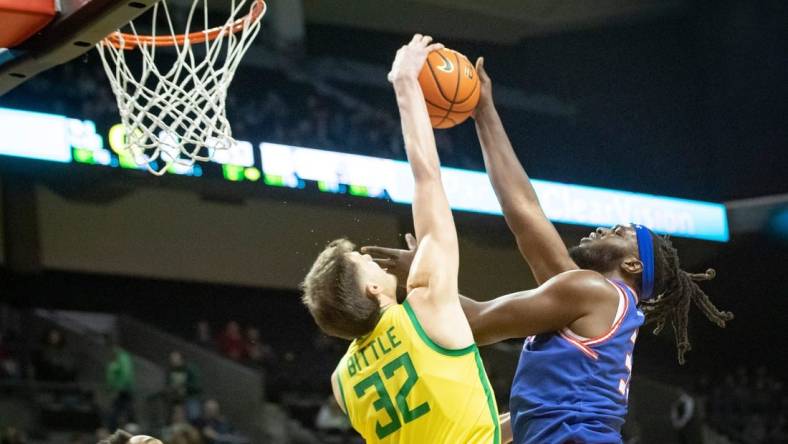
x: 214, y: 427
x: 231, y: 343
x: 78, y: 438
x: 185, y: 434
x: 631, y: 432
x: 203, y: 335
x: 123, y: 437
x: 182, y: 386
x: 258, y: 352
x: 755, y: 430
x: 328, y: 351
x: 9, y: 364
x: 779, y: 432
x: 120, y: 381
x: 330, y: 418
x: 284, y: 377
x: 102, y: 433
x: 12, y: 435
x: 53, y: 361
x: 119, y: 437
x: 748, y: 406
x: 178, y: 425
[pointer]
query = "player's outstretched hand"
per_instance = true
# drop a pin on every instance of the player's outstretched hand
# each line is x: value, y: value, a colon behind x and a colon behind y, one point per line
x: 485, y: 94
x: 411, y: 57
x: 394, y: 260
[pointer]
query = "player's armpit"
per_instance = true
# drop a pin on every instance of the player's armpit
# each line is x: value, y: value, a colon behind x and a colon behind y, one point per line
x: 556, y: 304
x: 435, y: 267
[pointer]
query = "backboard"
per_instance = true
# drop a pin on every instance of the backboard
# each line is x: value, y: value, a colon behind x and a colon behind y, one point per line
x: 58, y: 30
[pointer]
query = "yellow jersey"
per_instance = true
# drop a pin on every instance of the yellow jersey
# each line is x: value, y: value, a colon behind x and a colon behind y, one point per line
x: 398, y: 386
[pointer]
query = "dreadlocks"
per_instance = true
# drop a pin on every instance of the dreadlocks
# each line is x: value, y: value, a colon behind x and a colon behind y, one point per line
x: 675, y: 289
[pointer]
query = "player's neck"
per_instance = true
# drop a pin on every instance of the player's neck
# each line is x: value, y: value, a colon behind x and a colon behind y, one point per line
x: 618, y: 275
x: 386, y: 301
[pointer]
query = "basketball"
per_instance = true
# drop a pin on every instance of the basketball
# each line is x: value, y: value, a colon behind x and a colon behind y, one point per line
x: 451, y: 87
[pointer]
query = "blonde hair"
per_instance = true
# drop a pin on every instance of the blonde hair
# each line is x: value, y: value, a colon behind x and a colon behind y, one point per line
x: 334, y: 296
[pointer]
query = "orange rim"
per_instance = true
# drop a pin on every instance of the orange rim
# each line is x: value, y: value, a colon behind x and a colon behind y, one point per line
x: 122, y: 40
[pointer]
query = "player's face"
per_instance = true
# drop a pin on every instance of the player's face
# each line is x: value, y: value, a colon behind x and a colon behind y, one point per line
x: 365, y: 264
x: 604, y: 248
x: 614, y: 233
x: 369, y: 271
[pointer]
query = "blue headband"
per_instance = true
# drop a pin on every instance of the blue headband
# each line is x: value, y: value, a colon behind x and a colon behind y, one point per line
x: 646, y: 252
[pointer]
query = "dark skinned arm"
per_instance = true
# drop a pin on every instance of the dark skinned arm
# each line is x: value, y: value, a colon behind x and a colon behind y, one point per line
x: 556, y: 304
x: 537, y: 238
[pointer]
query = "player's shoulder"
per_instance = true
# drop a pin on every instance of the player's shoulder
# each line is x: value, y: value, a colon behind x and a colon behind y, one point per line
x: 442, y: 326
x: 582, y: 283
x: 423, y: 298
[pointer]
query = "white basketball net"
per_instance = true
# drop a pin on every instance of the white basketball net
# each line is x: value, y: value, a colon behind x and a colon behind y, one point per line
x: 175, y: 112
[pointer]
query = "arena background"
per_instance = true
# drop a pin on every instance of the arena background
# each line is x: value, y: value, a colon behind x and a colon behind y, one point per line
x: 676, y: 98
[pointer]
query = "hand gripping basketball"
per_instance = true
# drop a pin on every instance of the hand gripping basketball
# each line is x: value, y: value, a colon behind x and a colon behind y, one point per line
x: 451, y: 87
x: 411, y: 57
x: 449, y: 81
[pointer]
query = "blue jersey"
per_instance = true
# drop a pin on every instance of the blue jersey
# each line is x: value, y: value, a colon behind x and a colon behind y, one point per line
x: 570, y: 389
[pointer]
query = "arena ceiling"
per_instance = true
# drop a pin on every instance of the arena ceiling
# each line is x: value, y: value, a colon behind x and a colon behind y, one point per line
x: 502, y: 21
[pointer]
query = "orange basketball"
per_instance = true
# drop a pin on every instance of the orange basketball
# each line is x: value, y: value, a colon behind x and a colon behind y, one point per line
x: 451, y: 87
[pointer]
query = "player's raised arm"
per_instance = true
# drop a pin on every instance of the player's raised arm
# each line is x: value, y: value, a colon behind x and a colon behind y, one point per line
x: 536, y: 236
x: 436, y: 264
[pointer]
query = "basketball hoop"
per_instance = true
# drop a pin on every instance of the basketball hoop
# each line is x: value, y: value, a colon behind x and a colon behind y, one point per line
x: 175, y: 112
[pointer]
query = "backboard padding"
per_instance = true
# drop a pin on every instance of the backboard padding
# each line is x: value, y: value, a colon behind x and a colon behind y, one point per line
x: 79, y: 25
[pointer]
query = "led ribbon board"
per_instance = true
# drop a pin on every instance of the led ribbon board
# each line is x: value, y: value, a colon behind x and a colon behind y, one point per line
x: 60, y: 139
x: 471, y: 191
x: 44, y: 136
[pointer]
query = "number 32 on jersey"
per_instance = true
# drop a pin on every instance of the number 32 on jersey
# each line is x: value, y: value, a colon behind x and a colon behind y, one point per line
x: 391, y: 418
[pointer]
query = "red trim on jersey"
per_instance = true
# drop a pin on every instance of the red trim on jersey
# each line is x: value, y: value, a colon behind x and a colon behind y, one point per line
x: 580, y: 346
x: 634, y: 293
x: 617, y: 324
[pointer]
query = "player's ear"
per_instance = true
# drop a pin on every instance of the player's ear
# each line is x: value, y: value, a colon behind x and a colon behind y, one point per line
x: 373, y: 290
x: 632, y: 265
